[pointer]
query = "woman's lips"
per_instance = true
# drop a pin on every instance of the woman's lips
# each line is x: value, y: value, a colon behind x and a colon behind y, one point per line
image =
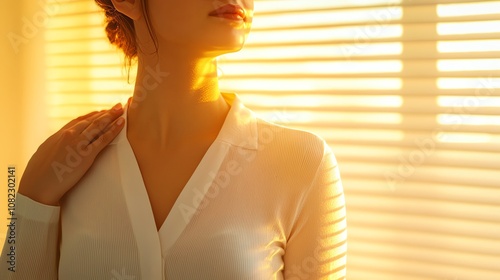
x: 229, y: 11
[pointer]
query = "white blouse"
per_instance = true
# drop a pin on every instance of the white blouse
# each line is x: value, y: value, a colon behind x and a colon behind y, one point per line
x: 265, y: 202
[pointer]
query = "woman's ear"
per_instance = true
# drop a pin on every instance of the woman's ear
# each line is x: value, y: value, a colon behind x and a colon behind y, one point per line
x: 130, y: 8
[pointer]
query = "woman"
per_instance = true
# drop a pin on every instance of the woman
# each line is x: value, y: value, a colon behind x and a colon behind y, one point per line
x: 184, y: 182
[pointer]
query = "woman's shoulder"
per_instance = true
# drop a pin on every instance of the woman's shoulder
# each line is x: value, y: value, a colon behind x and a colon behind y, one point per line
x: 292, y: 159
x: 291, y: 143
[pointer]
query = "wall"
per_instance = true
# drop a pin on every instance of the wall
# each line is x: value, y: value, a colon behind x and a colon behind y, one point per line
x: 23, y: 114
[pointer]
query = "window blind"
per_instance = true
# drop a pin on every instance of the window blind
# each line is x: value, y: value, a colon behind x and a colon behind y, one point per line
x: 407, y: 94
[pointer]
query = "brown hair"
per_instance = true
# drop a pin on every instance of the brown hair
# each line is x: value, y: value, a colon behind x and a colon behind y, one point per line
x: 121, y: 31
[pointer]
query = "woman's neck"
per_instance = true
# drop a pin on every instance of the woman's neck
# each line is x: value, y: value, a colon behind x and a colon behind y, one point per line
x: 176, y: 98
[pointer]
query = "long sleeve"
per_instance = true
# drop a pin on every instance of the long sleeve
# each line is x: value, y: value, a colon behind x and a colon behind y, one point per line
x: 317, y: 246
x: 35, y: 232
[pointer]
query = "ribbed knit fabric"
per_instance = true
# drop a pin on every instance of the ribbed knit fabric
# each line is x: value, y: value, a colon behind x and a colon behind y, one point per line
x: 265, y: 202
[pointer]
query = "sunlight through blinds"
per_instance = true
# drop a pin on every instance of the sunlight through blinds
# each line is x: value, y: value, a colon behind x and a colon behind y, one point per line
x: 407, y: 94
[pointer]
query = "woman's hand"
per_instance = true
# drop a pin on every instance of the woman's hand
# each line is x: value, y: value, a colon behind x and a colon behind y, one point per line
x: 62, y: 160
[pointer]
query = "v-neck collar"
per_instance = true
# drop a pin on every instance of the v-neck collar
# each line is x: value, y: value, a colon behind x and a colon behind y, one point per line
x: 239, y: 129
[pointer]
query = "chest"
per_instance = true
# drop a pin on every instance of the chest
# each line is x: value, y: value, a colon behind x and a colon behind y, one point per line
x: 165, y: 174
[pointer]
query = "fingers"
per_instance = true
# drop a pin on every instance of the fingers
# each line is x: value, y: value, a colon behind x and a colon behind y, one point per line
x: 80, y: 126
x: 80, y: 118
x: 80, y: 123
x: 95, y: 126
x: 85, y: 148
x: 105, y: 138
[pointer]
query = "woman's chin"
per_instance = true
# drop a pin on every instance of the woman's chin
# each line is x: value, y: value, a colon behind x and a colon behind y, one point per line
x: 226, y: 35
x: 227, y: 44
x: 221, y: 50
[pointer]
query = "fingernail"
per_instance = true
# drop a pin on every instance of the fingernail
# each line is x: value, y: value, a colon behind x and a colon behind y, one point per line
x: 120, y: 121
x: 117, y: 107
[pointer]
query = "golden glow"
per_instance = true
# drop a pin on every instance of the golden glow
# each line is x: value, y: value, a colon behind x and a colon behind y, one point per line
x: 71, y: 47
x: 322, y: 34
x: 76, y: 33
x: 468, y: 9
x: 58, y: 99
x: 76, y: 72
x: 79, y: 60
x: 304, y: 84
x: 460, y: 101
x: 486, y: 84
x: 316, y: 100
x: 451, y: 137
x: 76, y: 15
x: 453, y: 65
x: 325, y: 17
x: 468, y: 46
x: 372, y: 49
x: 110, y: 98
x: 314, y: 51
x: 276, y: 6
x: 108, y: 85
x: 345, y: 134
x: 313, y: 67
x: 470, y: 27
x: 464, y: 119
x: 325, y: 117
